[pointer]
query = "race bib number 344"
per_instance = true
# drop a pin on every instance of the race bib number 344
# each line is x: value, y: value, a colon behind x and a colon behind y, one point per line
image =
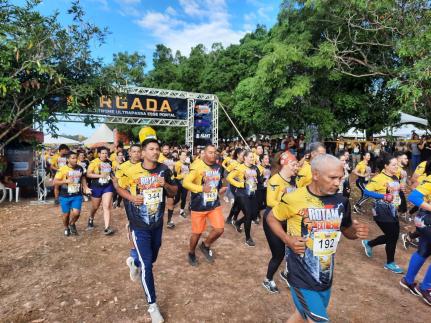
x: 153, y: 196
x: 325, y: 242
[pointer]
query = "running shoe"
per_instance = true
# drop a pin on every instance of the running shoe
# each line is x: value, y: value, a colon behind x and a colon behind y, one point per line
x: 270, y: 286
x: 228, y: 221
x: 283, y: 275
x: 357, y: 208
x: 208, y: 253
x: 405, y: 240
x: 368, y: 250
x: 394, y: 268
x: 414, y: 242
x: 237, y: 227
x: 114, y: 204
x: 72, y: 228
x: 135, y: 272
x: 250, y: 242
x: 193, y: 261
x: 56, y: 201
x: 257, y: 221
x: 154, y: 311
x: 170, y: 225
x: 183, y: 214
x: 410, y: 287
x: 90, y: 224
x: 226, y: 199
x: 425, y: 294
x: 108, y: 231
x: 67, y: 232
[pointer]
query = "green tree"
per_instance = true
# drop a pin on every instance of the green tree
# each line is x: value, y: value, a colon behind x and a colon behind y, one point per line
x: 41, y: 61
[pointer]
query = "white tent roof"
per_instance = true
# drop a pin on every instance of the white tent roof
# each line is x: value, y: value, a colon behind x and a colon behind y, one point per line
x: 353, y: 133
x: 50, y: 140
x: 102, y: 134
x: 404, y: 131
x: 408, y: 118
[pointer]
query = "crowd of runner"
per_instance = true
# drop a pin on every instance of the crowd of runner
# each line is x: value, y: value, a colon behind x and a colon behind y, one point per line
x: 299, y: 192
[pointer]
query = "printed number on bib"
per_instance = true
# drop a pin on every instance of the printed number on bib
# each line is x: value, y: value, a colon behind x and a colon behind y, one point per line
x: 325, y: 243
x: 153, y: 196
x: 73, y: 188
x: 211, y: 196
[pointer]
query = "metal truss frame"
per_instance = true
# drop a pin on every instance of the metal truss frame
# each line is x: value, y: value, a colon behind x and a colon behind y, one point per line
x: 188, y: 123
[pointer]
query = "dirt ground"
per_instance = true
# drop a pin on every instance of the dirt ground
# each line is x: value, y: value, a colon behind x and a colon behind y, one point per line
x: 46, y: 277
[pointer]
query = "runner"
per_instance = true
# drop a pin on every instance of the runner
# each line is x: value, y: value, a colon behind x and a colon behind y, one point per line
x: 71, y: 181
x: 304, y: 176
x: 316, y: 216
x: 118, y: 149
x: 119, y: 160
x: 385, y: 188
x: 363, y: 171
x: 57, y: 161
x: 204, y: 181
x: 286, y: 166
x: 100, y: 174
x: 345, y: 183
x: 166, y: 158
x: 182, y: 168
x: 421, y: 197
x: 146, y: 189
x: 403, y: 161
x: 245, y: 178
x: 124, y: 172
x: 237, y: 160
x: 264, y: 166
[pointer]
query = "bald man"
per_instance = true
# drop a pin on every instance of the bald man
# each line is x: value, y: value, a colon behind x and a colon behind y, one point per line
x: 316, y: 216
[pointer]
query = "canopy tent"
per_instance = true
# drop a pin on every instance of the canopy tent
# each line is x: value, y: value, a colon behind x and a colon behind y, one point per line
x: 353, y: 133
x: 408, y: 118
x: 102, y: 134
x: 50, y: 140
x: 403, y: 131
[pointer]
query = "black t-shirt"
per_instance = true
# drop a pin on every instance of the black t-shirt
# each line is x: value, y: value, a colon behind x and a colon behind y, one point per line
x: 320, y: 219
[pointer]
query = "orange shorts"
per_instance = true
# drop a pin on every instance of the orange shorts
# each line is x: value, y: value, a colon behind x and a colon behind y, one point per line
x: 199, y: 220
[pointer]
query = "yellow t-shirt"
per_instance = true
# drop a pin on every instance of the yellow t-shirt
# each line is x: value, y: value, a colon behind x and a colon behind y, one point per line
x: 181, y: 170
x: 113, y: 157
x: 58, y: 161
x: 226, y: 162
x: 304, y: 176
x: 425, y: 188
x: 383, y: 183
x: 420, y: 172
x: 245, y: 179
x: 98, y: 167
x: 277, y: 186
x: 66, y: 172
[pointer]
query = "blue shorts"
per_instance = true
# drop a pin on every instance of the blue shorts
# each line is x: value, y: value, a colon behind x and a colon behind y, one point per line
x: 311, y: 304
x: 97, y: 191
x: 70, y: 202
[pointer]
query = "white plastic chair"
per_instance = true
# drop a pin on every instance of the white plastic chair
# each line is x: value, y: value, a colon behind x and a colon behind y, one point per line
x: 10, y: 191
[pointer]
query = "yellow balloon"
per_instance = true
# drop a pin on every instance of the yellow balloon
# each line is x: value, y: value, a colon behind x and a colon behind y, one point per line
x: 147, y: 133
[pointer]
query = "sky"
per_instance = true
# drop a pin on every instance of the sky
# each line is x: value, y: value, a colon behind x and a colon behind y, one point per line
x: 138, y: 25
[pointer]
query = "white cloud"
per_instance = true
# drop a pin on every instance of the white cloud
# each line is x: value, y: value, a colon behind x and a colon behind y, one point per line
x: 210, y: 25
x: 129, y: 2
x: 171, y: 11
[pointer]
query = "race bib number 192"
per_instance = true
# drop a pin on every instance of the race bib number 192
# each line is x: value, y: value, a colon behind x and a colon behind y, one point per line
x: 325, y: 242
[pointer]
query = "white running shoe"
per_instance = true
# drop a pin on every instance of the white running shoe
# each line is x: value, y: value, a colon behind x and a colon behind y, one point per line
x: 154, y: 311
x: 135, y: 272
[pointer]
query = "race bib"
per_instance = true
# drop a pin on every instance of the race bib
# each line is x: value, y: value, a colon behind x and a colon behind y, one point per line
x: 325, y: 243
x: 211, y: 196
x: 73, y: 188
x: 104, y: 180
x: 356, y: 150
x: 153, y: 196
x: 341, y: 146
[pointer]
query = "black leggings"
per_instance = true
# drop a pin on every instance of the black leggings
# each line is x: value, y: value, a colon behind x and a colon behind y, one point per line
x: 276, y: 245
x: 403, y: 206
x: 235, y: 209
x: 248, y: 205
x: 360, y: 183
x: 181, y: 195
x: 391, y: 231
